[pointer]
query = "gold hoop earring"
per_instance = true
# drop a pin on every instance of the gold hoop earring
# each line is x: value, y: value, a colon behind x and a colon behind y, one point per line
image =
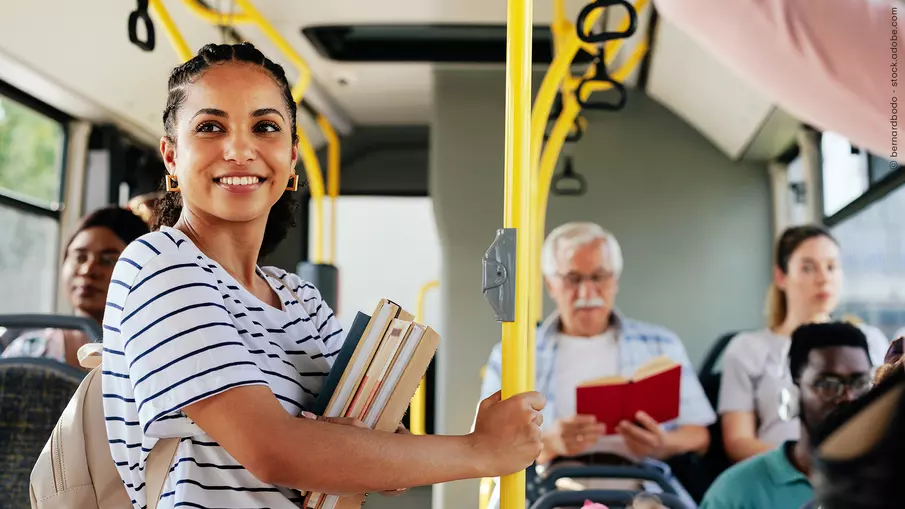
x: 172, y: 184
x: 293, y: 182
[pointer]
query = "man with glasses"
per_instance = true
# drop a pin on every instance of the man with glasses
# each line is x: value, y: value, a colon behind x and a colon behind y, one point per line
x: 588, y: 338
x: 830, y: 366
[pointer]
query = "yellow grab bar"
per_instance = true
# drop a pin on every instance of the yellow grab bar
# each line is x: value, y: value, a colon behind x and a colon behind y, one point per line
x: 517, y: 214
x: 316, y: 185
x: 176, y: 39
x: 418, y: 409
x: 551, y: 153
x: 557, y: 76
x: 215, y: 17
x: 333, y: 155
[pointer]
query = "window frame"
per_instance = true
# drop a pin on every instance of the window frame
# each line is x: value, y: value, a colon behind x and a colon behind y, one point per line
x: 27, y: 204
x: 876, y: 189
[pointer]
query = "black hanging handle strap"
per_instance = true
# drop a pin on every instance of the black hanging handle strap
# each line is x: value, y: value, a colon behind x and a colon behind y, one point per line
x: 578, y: 183
x: 141, y: 13
x: 606, y: 36
x: 602, y: 76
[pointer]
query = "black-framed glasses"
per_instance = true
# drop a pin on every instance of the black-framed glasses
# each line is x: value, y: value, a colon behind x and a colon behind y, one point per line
x: 574, y: 280
x: 831, y: 387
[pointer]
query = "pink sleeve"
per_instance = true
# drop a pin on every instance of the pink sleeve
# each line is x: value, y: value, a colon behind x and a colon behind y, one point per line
x: 830, y: 63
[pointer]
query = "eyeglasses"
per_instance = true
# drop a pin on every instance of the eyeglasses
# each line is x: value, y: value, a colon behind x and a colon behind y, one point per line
x: 832, y: 387
x: 574, y: 280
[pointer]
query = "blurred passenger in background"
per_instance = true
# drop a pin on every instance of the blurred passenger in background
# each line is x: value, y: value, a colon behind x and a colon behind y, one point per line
x: 88, y: 262
x: 145, y: 205
x: 830, y: 366
x: 807, y: 282
x: 587, y: 338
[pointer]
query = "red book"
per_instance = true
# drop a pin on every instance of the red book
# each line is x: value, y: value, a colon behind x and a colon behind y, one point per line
x: 653, y: 389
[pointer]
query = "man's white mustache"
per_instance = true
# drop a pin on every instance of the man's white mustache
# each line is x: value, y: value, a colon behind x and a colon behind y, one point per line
x: 593, y: 302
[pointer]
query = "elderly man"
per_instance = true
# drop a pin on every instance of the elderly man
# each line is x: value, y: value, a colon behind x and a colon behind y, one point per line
x: 588, y: 338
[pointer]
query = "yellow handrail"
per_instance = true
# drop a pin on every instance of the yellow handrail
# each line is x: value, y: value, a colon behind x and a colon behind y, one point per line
x: 551, y: 153
x: 517, y: 214
x: 333, y: 154
x: 558, y: 76
x: 418, y: 409
x: 313, y: 171
x: 176, y: 39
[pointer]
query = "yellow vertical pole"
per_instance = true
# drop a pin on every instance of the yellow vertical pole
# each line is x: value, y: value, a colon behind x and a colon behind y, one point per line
x: 316, y: 187
x: 332, y: 178
x: 518, y: 177
x: 418, y: 409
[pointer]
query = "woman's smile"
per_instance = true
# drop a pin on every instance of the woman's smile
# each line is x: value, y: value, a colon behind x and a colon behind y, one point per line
x: 240, y: 183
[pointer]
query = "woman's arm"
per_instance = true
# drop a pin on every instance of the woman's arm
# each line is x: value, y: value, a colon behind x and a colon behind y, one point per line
x: 319, y: 456
x: 739, y: 436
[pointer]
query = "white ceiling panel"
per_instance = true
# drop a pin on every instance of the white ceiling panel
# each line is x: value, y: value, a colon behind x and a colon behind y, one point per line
x: 691, y: 83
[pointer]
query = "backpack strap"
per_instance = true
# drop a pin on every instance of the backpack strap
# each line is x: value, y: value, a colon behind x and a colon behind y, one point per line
x: 160, y: 459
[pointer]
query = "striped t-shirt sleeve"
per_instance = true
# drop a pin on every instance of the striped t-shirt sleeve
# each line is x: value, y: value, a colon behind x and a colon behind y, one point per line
x: 180, y: 343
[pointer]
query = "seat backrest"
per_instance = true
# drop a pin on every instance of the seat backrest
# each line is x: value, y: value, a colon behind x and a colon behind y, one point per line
x: 75, y: 469
x: 611, y: 498
x: 44, y: 321
x: 33, y: 394
x: 710, y: 375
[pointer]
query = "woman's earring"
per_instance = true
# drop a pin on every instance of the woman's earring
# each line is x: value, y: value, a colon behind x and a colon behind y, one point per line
x: 172, y: 184
x: 293, y: 182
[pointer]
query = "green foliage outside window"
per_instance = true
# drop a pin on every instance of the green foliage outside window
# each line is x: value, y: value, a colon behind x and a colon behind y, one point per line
x: 31, y: 148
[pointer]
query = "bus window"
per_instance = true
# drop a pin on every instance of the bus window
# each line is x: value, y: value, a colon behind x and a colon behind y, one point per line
x: 31, y: 161
x: 844, y: 171
x: 873, y: 250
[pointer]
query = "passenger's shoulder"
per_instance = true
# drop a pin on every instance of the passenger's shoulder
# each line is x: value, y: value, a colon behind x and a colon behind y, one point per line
x: 747, y: 343
x: 742, y: 474
x: 647, y: 331
x: 158, y: 244
x: 155, y: 252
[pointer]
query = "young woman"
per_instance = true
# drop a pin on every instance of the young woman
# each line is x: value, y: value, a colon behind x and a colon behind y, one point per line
x: 88, y: 262
x: 755, y: 392
x: 202, y: 343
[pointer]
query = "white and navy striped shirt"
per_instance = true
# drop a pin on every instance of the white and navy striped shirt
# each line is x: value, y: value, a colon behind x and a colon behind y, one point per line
x: 178, y: 328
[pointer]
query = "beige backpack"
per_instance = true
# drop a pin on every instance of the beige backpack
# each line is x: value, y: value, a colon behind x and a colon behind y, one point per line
x: 75, y: 470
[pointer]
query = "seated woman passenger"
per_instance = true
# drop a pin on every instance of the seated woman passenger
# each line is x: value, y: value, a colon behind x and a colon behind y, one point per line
x: 88, y: 262
x: 806, y: 284
x: 202, y: 343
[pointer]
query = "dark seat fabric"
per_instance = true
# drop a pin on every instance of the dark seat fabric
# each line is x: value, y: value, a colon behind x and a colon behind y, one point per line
x: 33, y: 394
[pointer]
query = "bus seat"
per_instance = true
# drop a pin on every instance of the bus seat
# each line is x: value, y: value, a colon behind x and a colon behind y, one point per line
x: 613, y: 499
x: 711, y: 372
x: 16, y: 324
x: 548, y: 482
x: 33, y: 394
x: 715, y: 460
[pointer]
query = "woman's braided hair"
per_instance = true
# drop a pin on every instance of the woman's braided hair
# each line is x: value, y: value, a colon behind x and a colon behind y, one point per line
x: 282, y: 214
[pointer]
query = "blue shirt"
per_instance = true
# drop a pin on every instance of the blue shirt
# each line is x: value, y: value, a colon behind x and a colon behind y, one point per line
x: 766, y: 481
x: 638, y: 343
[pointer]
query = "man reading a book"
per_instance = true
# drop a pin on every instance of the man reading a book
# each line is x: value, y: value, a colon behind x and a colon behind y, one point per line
x: 587, y: 339
x: 830, y: 366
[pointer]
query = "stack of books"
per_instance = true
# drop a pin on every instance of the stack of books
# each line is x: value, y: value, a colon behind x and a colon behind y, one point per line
x: 374, y: 378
